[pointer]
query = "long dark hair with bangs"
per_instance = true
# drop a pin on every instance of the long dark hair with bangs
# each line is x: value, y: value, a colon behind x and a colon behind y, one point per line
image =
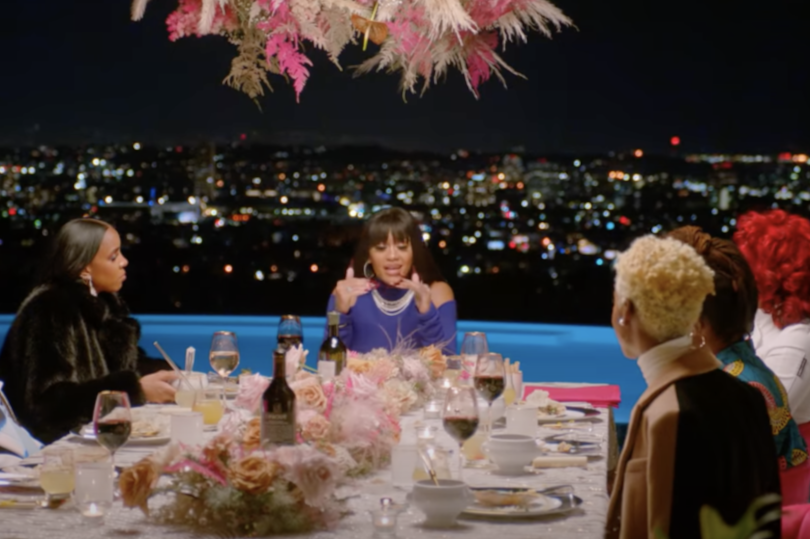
x: 402, y: 225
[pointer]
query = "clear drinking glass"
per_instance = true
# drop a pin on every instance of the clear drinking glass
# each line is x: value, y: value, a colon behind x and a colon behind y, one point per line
x: 290, y: 331
x: 473, y: 345
x: 460, y: 417
x: 57, y: 474
x: 489, y: 381
x: 209, y: 403
x: 187, y: 388
x: 112, y: 420
x: 224, y: 354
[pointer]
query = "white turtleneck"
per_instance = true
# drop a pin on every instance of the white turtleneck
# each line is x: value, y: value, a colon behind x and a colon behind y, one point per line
x: 655, y: 360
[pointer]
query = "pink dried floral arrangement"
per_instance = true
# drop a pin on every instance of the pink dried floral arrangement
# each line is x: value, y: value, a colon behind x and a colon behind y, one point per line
x: 421, y: 39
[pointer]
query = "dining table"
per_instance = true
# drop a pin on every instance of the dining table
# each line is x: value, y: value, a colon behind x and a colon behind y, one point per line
x: 585, y: 519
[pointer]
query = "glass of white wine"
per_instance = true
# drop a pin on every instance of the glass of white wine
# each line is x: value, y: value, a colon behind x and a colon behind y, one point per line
x: 224, y: 354
x: 57, y: 473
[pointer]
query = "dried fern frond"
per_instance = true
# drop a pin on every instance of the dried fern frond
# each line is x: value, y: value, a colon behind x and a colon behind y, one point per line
x: 447, y: 16
x: 138, y: 9
x: 541, y: 15
x: 249, y: 69
x: 339, y: 32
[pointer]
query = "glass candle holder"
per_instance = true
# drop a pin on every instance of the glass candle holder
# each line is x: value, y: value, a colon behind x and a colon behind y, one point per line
x: 433, y: 409
x: 425, y: 433
x: 94, y: 491
x: 384, y: 519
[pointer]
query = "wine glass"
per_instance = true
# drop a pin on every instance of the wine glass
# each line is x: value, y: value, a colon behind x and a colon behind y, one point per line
x: 112, y: 420
x: 224, y: 354
x: 290, y: 331
x: 473, y: 345
x: 489, y: 381
x: 460, y: 417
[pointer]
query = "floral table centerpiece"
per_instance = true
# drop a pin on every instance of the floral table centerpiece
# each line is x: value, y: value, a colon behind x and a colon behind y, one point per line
x: 355, y: 417
x: 422, y: 39
x: 227, y: 488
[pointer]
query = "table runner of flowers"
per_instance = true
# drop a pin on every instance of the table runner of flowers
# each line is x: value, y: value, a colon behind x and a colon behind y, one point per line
x: 421, y: 39
x: 346, y: 428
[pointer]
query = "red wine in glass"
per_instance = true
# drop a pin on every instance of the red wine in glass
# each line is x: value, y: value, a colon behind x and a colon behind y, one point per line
x: 112, y: 434
x: 460, y: 428
x: 490, y: 387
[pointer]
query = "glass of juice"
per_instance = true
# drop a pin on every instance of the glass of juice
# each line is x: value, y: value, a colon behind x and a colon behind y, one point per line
x: 209, y: 402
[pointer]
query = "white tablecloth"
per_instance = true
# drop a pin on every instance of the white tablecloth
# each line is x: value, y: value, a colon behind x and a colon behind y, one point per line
x: 587, y: 522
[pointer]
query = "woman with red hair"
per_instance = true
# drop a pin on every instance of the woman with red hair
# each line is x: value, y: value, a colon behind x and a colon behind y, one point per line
x: 777, y: 247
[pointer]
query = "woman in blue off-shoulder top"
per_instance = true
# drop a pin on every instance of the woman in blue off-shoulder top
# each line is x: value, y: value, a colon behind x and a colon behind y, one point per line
x: 393, y: 293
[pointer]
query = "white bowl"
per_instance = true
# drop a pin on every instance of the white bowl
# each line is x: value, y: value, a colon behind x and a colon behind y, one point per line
x: 441, y: 503
x: 511, y: 452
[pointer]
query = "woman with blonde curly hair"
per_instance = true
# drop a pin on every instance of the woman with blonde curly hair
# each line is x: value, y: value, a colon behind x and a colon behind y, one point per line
x: 777, y: 246
x: 697, y: 436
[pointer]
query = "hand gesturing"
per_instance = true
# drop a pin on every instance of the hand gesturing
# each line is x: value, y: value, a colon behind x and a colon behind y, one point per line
x: 349, y: 289
x: 421, y: 292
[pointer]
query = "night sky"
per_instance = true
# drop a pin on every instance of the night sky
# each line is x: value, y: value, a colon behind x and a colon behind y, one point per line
x: 724, y: 76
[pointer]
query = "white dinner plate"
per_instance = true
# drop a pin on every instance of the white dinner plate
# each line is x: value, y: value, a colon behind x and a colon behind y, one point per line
x: 541, y: 505
x: 568, y: 415
x: 87, y: 435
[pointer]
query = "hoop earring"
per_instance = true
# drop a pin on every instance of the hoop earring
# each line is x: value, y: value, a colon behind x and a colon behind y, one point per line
x: 368, y: 272
x: 89, y: 283
x: 702, y: 341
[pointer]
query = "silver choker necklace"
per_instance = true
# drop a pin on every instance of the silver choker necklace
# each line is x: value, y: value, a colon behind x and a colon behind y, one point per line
x: 392, y: 308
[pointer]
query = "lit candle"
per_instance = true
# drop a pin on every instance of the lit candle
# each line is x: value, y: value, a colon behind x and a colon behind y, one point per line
x: 93, y: 510
x: 425, y: 433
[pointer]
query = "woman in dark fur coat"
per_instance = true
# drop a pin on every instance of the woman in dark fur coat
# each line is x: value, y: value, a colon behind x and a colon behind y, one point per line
x: 73, y: 337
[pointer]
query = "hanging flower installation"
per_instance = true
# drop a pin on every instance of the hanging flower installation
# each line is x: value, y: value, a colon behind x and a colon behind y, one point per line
x: 421, y: 39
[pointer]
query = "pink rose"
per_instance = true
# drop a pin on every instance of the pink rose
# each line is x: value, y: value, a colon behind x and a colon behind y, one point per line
x: 314, y: 473
x: 316, y: 429
x: 309, y: 394
x: 251, y: 389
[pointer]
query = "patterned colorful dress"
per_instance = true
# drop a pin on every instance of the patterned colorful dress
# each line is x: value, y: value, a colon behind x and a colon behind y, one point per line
x: 741, y: 361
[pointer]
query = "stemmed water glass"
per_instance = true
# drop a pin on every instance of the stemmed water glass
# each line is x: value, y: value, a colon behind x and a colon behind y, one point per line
x: 460, y: 417
x: 290, y: 331
x: 112, y: 420
x: 224, y: 354
x: 489, y: 381
x: 473, y: 345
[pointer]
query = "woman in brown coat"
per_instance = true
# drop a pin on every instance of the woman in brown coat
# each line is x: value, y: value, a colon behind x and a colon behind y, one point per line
x: 697, y: 436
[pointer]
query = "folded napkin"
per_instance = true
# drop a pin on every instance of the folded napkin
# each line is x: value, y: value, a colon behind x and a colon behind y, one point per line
x: 599, y: 396
x: 559, y: 461
x: 796, y: 521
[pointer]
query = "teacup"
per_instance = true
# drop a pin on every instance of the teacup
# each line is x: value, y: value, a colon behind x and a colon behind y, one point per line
x: 511, y: 452
x: 441, y: 503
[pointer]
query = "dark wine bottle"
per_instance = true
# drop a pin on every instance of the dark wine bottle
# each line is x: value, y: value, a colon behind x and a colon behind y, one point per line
x: 278, y: 406
x: 333, y: 353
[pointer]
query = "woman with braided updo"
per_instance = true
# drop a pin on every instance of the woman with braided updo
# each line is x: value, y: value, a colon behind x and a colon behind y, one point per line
x: 725, y: 323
